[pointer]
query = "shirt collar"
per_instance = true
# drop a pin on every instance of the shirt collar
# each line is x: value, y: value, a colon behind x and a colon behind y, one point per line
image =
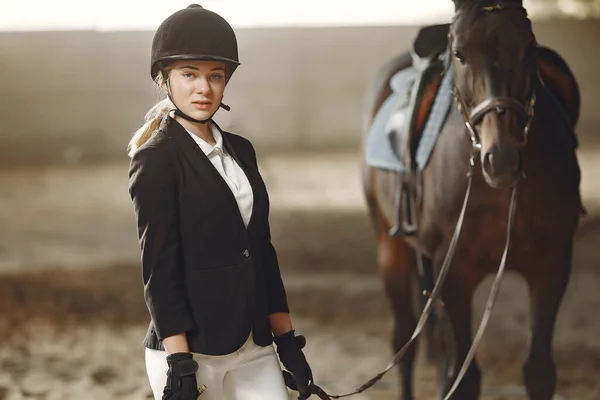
x: 206, y: 147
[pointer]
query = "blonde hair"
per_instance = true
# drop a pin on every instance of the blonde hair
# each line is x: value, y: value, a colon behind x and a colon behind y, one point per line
x: 153, y: 118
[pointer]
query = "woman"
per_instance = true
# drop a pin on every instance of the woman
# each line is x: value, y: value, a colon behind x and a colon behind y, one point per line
x: 211, y: 277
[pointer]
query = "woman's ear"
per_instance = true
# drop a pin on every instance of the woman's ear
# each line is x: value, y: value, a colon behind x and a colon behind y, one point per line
x: 164, y: 80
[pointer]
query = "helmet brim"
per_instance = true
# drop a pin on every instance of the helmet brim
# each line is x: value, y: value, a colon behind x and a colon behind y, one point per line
x: 163, y: 61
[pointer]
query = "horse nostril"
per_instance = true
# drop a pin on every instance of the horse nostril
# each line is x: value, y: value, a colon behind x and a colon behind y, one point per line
x: 487, y: 164
x: 504, y: 162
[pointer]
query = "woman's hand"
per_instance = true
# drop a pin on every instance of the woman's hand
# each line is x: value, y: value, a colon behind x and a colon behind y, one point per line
x: 181, y: 378
x: 289, y: 348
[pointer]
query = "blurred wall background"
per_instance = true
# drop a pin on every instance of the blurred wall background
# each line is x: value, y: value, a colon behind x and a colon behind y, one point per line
x: 72, y: 313
x: 77, y: 96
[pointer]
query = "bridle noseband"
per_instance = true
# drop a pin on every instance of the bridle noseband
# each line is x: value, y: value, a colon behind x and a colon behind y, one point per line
x: 498, y: 104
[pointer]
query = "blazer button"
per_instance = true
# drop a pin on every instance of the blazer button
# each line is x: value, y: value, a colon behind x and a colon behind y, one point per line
x: 246, y: 253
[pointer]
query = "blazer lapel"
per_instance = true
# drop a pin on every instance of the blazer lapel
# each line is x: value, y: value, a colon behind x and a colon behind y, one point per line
x: 246, y: 166
x: 201, y: 164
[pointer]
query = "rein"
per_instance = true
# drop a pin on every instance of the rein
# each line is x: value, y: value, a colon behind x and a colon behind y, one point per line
x: 434, y: 297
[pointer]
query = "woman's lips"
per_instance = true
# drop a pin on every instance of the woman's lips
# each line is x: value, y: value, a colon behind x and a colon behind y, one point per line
x: 202, y: 105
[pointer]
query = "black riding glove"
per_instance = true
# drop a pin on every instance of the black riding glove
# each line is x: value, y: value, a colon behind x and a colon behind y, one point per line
x: 289, y: 348
x: 181, y: 378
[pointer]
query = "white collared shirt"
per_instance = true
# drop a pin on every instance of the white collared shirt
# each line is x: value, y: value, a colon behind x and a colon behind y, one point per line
x: 231, y: 172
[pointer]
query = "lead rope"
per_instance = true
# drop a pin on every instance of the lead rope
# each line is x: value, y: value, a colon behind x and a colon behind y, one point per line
x: 491, y: 298
x: 432, y: 297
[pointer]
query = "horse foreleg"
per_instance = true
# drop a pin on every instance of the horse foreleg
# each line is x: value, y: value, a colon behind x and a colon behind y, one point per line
x: 546, y: 290
x: 396, y: 259
x: 457, y: 295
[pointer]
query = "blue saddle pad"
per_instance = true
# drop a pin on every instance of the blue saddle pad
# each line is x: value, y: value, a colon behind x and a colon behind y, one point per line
x: 383, y: 144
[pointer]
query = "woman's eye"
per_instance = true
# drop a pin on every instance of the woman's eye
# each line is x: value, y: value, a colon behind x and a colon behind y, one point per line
x: 459, y: 56
x: 217, y: 77
x: 188, y: 75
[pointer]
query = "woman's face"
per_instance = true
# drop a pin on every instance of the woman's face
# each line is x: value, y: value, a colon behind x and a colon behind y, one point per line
x: 197, y: 87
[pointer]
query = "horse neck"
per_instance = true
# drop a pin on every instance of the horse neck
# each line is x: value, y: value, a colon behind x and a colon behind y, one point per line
x: 549, y: 129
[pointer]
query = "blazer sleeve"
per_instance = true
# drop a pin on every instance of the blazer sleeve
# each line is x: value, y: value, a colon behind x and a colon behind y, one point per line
x: 277, y: 296
x: 153, y: 192
x: 276, y: 293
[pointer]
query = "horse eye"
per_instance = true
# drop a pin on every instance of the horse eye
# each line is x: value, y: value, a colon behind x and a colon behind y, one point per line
x: 459, y: 56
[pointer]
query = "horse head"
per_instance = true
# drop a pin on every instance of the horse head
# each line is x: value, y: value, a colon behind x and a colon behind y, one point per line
x: 493, y: 57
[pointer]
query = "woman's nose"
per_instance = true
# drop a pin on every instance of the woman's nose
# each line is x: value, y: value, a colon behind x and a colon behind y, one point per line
x: 202, y: 86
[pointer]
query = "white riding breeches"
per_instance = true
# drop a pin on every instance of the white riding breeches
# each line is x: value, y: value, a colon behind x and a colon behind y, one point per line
x: 251, y: 373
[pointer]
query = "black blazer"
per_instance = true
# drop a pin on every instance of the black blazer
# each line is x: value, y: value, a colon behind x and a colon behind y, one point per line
x: 204, y: 272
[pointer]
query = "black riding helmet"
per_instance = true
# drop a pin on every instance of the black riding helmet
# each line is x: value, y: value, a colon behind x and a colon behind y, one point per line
x: 194, y: 33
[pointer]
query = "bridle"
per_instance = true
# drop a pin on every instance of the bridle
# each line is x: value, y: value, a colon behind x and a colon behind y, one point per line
x: 492, y: 103
x: 499, y: 105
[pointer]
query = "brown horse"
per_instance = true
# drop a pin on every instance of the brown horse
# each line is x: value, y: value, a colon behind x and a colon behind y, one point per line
x: 498, y: 68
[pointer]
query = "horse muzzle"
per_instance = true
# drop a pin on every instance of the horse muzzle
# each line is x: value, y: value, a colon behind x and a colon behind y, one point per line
x: 502, y: 167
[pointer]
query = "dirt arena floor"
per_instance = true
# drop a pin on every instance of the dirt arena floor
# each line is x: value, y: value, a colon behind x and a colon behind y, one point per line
x: 73, y: 316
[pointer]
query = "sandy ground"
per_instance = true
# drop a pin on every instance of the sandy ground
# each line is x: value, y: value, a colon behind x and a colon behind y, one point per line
x: 73, y: 315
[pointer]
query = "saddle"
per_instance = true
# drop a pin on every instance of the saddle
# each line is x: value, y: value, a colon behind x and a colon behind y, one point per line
x: 428, y: 60
x: 426, y: 54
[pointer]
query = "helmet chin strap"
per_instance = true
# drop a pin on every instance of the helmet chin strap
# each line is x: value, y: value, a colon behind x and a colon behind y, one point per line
x: 183, y: 115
